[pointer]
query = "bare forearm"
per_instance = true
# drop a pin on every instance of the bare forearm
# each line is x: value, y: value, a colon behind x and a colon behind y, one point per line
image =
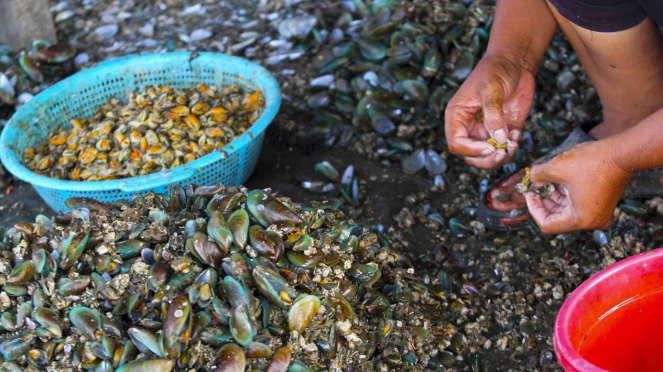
x: 522, y: 31
x: 639, y: 147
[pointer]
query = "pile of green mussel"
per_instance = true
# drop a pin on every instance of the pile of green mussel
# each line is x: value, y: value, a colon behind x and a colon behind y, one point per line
x: 216, y: 279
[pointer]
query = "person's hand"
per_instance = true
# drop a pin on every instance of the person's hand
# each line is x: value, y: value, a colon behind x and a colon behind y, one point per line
x: 588, y: 185
x: 494, y: 102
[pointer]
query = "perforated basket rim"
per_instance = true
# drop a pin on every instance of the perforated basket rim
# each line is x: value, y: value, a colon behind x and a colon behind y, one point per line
x: 263, y: 79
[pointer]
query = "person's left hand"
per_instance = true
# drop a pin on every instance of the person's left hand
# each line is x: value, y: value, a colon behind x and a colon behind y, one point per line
x: 588, y: 185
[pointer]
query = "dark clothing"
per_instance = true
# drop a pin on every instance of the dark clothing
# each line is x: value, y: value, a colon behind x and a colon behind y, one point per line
x: 609, y: 15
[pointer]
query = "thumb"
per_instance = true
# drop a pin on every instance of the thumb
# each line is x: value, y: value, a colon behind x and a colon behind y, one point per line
x: 545, y: 173
x: 493, y: 113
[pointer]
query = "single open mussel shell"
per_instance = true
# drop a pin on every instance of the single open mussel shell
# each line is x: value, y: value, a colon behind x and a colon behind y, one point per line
x: 267, y: 246
x: 230, y: 358
x: 158, y: 275
x: 15, y: 290
x: 30, y: 68
x: 218, y: 229
x: 399, y: 54
x: 216, y: 336
x: 434, y: 163
x: 273, y: 286
x: 258, y: 350
x: 633, y: 207
x: 48, y: 319
x: 266, y: 310
x: 39, y: 259
x: 349, y: 244
x: 302, y: 312
x: 70, y: 253
x: 456, y: 343
x: 385, y: 327
x: 300, y: 259
x: 318, y: 186
x: 103, y: 349
x: 281, y: 360
x: 326, y: 170
x: 136, y: 305
x: 104, y: 366
x: 104, y: 263
x: 223, y: 202
x: 384, y: 98
x: 154, y: 365
x: 235, y: 292
x: 201, y: 321
x: 89, y: 203
x: 432, y: 62
x: 135, y: 230
x: 55, y: 53
x: 362, y: 272
x: 267, y: 210
x: 161, y: 217
x: 9, y: 321
x: 177, y: 197
x: 239, y: 226
x: 458, y: 227
x: 68, y: 287
x: 205, y: 250
x: 177, y: 326
x: 414, y: 162
x: 415, y: 90
x: 24, y: 312
x: 130, y: 248
x: 208, y: 191
x: 39, y: 298
x: 437, y: 102
x: 192, y: 359
x: 372, y: 50
x: 125, y: 354
x: 376, y: 303
x: 201, y: 290
x: 39, y: 357
x: 380, y: 121
x: 288, y: 231
x: 22, y: 273
x: 85, y: 320
x: 15, y: 347
x: 464, y: 66
x: 237, y: 266
x: 340, y: 307
x: 106, y: 291
x: 221, y: 310
x: 298, y: 366
x: 303, y: 243
x: 112, y: 326
x: 241, y: 325
x: 145, y: 339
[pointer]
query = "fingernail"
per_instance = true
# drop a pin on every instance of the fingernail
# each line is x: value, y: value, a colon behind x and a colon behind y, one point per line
x: 487, y: 152
x: 515, y: 135
x: 499, y: 155
x: 500, y: 136
x: 512, y: 144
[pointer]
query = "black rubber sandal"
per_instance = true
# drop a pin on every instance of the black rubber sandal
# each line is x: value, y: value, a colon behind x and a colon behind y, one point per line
x: 645, y: 184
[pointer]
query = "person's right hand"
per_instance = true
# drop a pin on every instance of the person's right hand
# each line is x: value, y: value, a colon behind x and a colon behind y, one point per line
x: 494, y: 102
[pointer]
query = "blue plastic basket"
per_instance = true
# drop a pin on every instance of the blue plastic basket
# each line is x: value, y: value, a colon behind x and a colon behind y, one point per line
x: 80, y: 95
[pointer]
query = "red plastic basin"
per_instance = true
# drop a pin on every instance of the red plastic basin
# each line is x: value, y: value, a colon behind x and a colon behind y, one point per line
x: 619, y: 312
